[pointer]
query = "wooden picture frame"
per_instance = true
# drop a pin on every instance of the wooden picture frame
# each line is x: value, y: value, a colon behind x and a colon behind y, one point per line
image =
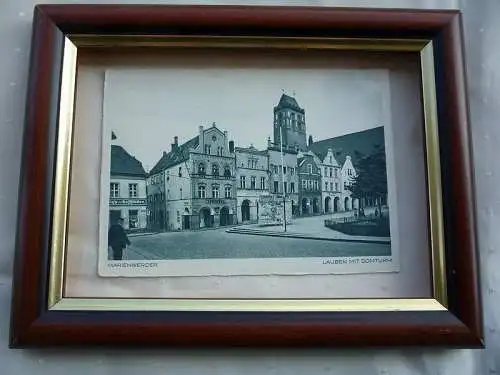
x: 43, y: 316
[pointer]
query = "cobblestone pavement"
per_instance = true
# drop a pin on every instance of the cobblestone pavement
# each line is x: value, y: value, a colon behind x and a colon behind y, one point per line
x: 217, y: 243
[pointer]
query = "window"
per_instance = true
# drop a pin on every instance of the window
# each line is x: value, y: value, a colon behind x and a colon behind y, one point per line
x: 252, y: 163
x: 309, y: 184
x: 178, y: 217
x: 345, y: 185
x: 180, y: 192
x: 207, y: 149
x: 292, y: 187
x: 331, y: 172
x: 304, y: 184
x: 133, y: 219
x: 242, y: 182
x: 215, y: 169
x: 349, y: 172
x: 284, y: 170
x: 180, y: 171
x: 316, y: 185
x: 276, y: 186
x: 201, y: 191
x: 201, y: 168
x: 335, y: 172
x: 326, y: 185
x: 336, y: 186
x: 309, y: 168
x: 292, y: 170
x: 263, y: 183
x: 331, y: 161
x: 227, y: 171
x: 284, y: 187
x: 325, y: 171
x: 227, y: 192
x: 331, y: 185
x: 215, y: 191
x: 114, y: 190
x: 252, y: 182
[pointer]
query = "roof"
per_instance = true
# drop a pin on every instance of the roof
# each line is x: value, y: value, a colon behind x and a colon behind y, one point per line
x: 122, y: 163
x: 305, y: 157
x: 177, y: 156
x: 250, y: 150
x: 289, y: 102
x: 353, y: 144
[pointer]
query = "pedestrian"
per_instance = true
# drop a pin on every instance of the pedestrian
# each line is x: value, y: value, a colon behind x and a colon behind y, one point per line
x: 117, y: 239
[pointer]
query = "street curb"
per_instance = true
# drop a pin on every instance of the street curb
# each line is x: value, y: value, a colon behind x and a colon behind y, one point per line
x: 303, y: 236
x: 132, y: 235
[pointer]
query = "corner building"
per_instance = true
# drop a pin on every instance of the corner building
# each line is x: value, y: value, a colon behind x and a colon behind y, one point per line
x: 199, y: 181
x: 127, y: 195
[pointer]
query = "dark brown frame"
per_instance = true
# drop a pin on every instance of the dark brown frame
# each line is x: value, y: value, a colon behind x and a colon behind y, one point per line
x: 32, y: 324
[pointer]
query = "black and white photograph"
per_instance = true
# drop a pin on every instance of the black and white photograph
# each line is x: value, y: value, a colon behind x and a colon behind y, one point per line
x: 246, y: 171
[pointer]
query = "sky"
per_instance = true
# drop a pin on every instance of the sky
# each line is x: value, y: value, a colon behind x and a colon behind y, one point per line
x: 146, y: 108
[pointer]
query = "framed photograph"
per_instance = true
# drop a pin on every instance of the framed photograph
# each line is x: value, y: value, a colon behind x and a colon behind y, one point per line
x: 246, y: 176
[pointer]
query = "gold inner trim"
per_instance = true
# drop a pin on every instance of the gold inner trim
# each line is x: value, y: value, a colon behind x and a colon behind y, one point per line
x: 61, y: 198
x: 171, y: 41
x: 62, y: 176
x: 434, y: 174
x: 134, y: 304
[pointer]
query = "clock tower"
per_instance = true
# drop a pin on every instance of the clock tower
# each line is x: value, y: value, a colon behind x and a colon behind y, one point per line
x: 290, y: 117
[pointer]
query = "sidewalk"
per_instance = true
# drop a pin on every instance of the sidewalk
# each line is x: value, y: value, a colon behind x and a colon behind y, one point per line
x: 306, y: 228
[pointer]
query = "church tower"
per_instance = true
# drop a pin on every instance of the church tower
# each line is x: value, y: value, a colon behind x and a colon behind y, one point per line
x: 291, y: 118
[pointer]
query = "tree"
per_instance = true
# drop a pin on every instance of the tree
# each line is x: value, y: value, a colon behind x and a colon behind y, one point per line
x: 371, y: 177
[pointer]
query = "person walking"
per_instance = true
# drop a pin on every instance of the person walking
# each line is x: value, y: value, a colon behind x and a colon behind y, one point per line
x: 117, y: 239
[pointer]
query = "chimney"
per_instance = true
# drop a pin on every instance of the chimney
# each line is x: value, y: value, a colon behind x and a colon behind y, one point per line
x: 231, y: 146
x: 269, y: 142
x: 175, y: 145
x: 200, y: 139
x: 164, y: 153
x: 310, y: 140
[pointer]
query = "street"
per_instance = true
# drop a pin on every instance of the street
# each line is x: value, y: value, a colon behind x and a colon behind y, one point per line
x: 217, y: 243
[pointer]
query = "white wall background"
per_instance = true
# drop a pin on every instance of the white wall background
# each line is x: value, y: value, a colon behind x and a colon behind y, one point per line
x: 482, y: 34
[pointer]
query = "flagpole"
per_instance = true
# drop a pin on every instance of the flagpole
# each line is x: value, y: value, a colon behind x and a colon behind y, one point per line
x: 283, y: 178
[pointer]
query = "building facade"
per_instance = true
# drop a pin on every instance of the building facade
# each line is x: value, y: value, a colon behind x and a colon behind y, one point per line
x: 309, y: 175
x: 127, y: 190
x: 252, y: 179
x: 348, y: 173
x: 331, y: 183
x: 199, y: 182
x: 283, y: 176
x: 155, y: 185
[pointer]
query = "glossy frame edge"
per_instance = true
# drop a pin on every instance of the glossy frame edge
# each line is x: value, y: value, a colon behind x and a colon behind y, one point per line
x: 56, y: 301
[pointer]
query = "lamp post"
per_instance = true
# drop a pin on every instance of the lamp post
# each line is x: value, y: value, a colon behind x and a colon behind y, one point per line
x: 283, y: 178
